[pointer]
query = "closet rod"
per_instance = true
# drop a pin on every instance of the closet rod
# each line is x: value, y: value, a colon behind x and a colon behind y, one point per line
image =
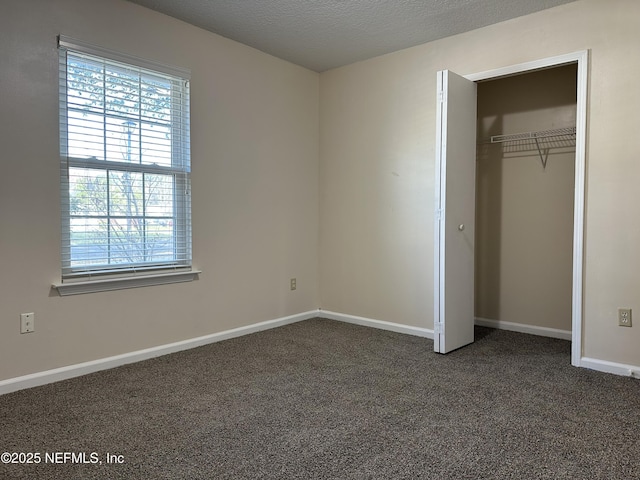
x: 566, y: 133
x: 542, y: 141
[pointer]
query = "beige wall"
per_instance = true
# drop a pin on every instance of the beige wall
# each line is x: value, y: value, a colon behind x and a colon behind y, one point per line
x: 524, y: 212
x: 254, y: 127
x: 292, y: 170
x: 377, y: 167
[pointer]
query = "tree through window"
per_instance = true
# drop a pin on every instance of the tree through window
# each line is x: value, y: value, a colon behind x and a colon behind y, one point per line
x: 125, y: 166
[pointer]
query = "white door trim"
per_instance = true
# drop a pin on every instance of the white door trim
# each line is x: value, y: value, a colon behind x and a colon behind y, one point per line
x: 582, y: 59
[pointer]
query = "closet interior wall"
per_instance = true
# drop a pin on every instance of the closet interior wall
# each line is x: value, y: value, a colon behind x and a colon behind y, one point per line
x: 524, y: 210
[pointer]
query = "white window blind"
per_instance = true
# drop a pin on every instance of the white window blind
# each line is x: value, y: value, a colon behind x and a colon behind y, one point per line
x: 125, y: 164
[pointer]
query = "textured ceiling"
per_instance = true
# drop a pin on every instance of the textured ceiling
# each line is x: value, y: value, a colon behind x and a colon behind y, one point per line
x: 323, y: 34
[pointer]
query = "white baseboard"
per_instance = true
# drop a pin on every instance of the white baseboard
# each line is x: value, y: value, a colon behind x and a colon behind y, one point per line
x: 585, y: 362
x: 71, y: 371
x: 380, y: 324
x: 610, y: 367
x: 523, y: 328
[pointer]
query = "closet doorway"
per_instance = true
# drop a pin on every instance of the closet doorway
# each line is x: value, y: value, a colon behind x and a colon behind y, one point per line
x: 544, y: 138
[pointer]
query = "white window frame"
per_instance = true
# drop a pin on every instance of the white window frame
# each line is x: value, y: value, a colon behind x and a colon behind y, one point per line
x: 91, y: 278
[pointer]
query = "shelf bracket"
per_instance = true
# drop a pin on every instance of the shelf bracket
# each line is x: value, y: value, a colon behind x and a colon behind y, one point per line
x: 544, y: 158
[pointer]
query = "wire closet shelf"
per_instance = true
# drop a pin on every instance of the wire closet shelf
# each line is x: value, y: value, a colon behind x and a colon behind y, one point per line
x: 542, y: 141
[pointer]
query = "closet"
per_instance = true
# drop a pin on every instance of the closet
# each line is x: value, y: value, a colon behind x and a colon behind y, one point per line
x: 525, y: 177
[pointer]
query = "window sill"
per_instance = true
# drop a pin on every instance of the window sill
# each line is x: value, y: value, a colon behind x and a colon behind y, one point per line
x: 105, y: 285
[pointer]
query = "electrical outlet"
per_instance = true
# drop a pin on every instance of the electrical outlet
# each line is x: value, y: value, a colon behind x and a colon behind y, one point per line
x: 624, y: 317
x: 27, y: 322
x: 293, y: 284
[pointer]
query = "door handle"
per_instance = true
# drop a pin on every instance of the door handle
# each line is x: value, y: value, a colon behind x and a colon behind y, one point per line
x: 461, y: 227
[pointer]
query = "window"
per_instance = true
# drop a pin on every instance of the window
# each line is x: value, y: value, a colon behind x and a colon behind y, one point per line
x: 125, y: 164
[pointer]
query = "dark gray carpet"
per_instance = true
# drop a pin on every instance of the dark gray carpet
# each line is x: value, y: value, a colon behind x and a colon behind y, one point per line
x: 323, y: 399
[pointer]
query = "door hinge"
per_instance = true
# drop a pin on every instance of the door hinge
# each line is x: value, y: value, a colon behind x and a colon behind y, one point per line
x: 438, y: 328
x: 442, y: 96
x: 439, y: 214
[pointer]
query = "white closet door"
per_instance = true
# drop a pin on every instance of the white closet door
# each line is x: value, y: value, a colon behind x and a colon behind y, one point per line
x: 455, y: 212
